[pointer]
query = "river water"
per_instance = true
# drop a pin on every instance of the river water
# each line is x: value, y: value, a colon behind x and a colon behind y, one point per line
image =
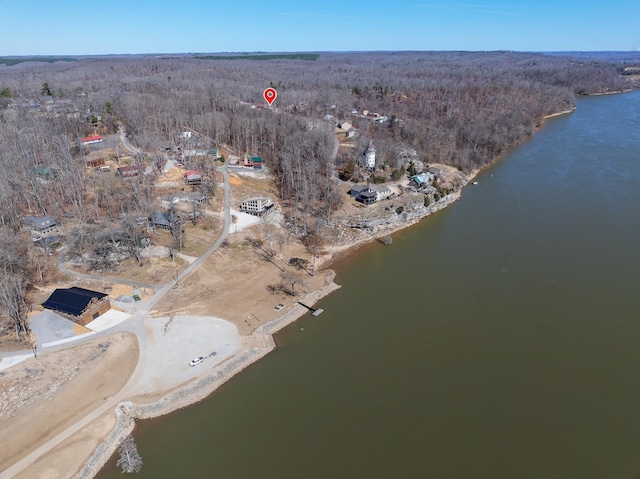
x: 499, y: 338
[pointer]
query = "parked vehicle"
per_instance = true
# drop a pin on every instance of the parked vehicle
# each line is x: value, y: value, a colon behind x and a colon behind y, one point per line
x: 195, y: 361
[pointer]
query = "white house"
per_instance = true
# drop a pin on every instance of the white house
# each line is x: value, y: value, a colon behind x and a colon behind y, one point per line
x: 370, y: 156
x: 352, y: 133
x: 256, y: 206
x: 382, y: 192
x: 89, y: 140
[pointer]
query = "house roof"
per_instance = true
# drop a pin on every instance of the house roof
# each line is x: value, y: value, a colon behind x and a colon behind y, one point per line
x: 190, y: 173
x: 191, y: 197
x: 262, y: 199
x: 44, y: 171
x: 72, y: 300
x: 422, y: 178
x: 47, y: 240
x: 359, y: 188
x: 159, y: 218
x: 39, y: 223
x: 194, y: 197
x: 163, y: 218
x: 124, y: 169
x: 381, y: 189
x: 371, y: 148
x: 256, y: 159
x: 92, y: 138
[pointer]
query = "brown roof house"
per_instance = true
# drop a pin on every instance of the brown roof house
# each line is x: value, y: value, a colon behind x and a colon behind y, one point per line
x: 78, y: 304
x: 128, y: 171
x: 254, y: 162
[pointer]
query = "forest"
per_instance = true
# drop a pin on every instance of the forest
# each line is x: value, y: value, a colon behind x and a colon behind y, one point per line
x: 462, y: 109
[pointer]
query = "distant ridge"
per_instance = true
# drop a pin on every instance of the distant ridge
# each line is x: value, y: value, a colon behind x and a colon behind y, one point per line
x: 275, y: 56
x: 613, y: 56
x: 10, y: 61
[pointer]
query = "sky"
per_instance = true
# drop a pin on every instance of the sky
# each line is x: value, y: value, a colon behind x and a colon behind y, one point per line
x: 75, y: 27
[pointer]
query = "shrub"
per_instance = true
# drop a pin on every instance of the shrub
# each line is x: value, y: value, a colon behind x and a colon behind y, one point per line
x: 397, y: 174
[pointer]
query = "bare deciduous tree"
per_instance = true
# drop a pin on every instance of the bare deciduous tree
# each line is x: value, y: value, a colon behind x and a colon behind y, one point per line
x: 129, y: 460
x: 15, y: 280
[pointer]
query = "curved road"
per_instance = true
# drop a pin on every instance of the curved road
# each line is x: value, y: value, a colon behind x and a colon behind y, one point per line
x: 135, y: 325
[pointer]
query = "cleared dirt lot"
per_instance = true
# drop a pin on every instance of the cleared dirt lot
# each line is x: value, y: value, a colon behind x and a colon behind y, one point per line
x: 43, y: 396
x: 234, y: 284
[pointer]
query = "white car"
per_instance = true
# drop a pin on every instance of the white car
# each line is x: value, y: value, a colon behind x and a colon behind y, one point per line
x: 195, y: 361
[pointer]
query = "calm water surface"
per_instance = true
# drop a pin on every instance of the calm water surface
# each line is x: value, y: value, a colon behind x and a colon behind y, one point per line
x: 497, y: 339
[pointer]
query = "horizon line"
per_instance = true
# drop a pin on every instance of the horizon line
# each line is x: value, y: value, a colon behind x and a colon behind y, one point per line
x: 262, y: 52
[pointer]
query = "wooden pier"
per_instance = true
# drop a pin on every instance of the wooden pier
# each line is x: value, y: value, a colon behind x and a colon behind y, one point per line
x: 314, y: 312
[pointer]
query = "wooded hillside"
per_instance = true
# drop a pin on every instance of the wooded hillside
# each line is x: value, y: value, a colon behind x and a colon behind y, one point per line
x: 457, y: 108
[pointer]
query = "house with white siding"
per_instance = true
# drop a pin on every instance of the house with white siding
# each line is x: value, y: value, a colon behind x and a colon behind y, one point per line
x: 256, y: 206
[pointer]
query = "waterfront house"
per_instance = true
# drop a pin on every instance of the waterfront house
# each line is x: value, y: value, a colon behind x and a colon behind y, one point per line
x: 367, y: 196
x: 422, y: 180
x: 382, y: 192
x: 355, y: 190
x: 78, y: 304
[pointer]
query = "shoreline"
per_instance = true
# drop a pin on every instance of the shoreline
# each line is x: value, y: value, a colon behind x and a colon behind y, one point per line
x: 127, y: 412
x: 203, y: 386
x: 560, y: 113
x: 200, y: 388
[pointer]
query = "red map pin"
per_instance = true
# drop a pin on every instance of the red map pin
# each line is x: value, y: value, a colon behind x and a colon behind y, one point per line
x: 270, y: 95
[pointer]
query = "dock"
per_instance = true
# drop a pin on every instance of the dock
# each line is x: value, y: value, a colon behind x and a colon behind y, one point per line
x: 314, y: 312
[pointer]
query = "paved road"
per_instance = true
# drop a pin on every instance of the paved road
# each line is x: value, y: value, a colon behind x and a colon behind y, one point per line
x: 135, y: 325
x: 191, y: 268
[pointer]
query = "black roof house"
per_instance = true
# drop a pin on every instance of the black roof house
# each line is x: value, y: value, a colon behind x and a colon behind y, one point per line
x: 72, y: 301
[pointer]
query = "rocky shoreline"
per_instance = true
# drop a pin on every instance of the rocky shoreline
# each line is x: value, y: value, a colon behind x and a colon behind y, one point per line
x: 127, y: 412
